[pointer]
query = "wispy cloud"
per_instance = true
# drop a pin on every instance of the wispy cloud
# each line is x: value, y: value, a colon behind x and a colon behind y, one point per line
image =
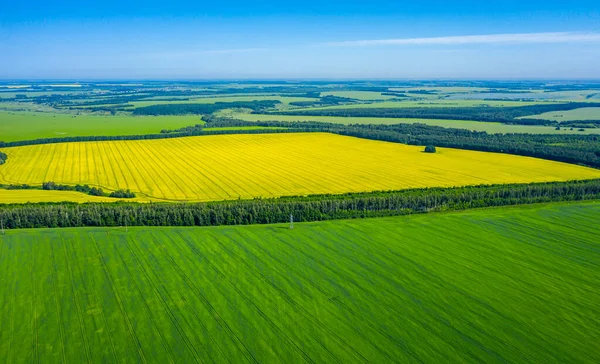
x: 522, y: 38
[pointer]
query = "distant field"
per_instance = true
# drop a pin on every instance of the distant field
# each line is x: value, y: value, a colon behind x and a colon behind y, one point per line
x: 441, y: 89
x: 285, y: 100
x: 460, y: 124
x: 541, y: 96
x: 12, y: 94
x: 24, y: 107
x: 513, y: 285
x: 268, y: 165
x: 32, y: 125
x: 359, y: 95
x: 25, y: 196
x: 584, y: 113
x: 211, y: 100
x: 431, y: 103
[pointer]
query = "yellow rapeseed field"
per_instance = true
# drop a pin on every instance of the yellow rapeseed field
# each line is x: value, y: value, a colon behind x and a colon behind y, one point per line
x: 25, y: 196
x: 265, y: 165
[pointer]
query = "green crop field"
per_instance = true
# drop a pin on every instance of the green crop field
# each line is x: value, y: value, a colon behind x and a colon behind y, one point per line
x: 584, y: 113
x: 431, y: 103
x: 211, y: 100
x: 535, y: 95
x: 460, y: 124
x: 359, y: 95
x: 442, y: 89
x: 32, y: 125
x: 14, y: 92
x: 24, y: 107
x: 517, y: 284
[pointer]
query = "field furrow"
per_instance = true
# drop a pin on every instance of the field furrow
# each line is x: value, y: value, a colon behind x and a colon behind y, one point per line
x: 203, y: 162
x: 128, y: 338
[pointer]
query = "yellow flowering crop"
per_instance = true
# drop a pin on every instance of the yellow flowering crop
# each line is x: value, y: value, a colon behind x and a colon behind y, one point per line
x: 266, y: 165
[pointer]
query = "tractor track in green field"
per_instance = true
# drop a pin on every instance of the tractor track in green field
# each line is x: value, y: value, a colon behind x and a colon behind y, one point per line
x: 88, y: 354
x: 120, y: 303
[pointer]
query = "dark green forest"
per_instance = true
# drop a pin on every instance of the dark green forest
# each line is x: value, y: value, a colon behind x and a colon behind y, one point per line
x: 183, y: 109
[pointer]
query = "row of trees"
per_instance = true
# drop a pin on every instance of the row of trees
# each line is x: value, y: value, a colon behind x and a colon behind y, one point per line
x: 328, y: 100
x: 509, y: 115
x: 93, y: 191
x: 3, y: 158
x: 51, y: 186
x: 183, y: 109
x: 311, y: 208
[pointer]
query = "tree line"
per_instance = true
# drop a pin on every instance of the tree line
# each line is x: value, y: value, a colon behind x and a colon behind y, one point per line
x: 507, y: 115
x: 278, y: 210
x: 93, y: 191
x: 3, y: 158
x: 328, y: 100
x: 51, y: 186
x: 183, y: 109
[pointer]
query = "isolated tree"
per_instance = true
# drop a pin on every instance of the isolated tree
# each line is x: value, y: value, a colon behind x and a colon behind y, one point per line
x: 430, y: 149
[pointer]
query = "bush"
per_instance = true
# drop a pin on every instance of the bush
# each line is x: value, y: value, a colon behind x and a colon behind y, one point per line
x: 48, y: 186
x: 430, y: 149
x: 96, y: 191
x: 19, y: 187
x: 122, y: 194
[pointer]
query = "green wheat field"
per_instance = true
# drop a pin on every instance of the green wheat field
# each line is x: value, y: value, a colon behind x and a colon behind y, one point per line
x: 517, y: 284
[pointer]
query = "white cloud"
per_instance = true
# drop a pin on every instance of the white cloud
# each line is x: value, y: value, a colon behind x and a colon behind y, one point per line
x: 557, y: 37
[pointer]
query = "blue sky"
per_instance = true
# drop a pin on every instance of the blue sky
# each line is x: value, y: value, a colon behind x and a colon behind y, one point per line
x: 308, y: 39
